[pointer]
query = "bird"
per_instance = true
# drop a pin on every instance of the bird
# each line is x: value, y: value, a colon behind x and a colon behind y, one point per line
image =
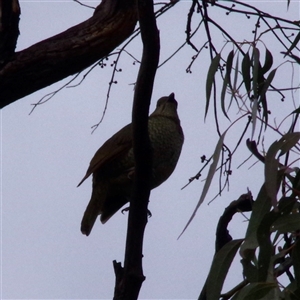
x: 113, y: 164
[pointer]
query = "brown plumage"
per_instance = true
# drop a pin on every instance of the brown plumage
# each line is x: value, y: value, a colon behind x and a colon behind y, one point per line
x: 113, y: 164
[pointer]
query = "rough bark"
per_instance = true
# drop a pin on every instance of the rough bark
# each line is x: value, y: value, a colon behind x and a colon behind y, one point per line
x: 69, y: 52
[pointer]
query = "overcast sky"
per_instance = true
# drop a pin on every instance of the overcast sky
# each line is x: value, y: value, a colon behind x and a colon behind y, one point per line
x: 46, y: 154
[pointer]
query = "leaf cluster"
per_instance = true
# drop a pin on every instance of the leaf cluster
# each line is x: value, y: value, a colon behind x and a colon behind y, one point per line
x: 243, y: 87
x: 271, y: 245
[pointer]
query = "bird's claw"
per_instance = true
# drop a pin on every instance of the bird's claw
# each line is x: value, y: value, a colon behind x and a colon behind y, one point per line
x: 149, y: 214
x: 125, y: 209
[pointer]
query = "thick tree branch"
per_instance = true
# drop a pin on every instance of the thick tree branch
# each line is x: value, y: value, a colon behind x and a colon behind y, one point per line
x: 9, y: 28
x: 68, y: 52
x: 243, y: 204
x: 128, y: 283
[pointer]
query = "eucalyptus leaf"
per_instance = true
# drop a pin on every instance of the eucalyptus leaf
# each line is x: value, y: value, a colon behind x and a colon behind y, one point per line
x: 255, y: 291
x: 287, y: 223
x: 246, y: 67
x: 210, y: 79
x: 296, y: 262
x: 256, y: 68
x: 219, y: 269
x: 210, y: 175
x: 268, y: 62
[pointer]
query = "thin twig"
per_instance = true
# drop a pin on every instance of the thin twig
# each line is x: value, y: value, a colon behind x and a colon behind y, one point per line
x: 85, y: 5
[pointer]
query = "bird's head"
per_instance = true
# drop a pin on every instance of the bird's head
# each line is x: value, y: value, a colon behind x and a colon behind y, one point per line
x: 166, y: 106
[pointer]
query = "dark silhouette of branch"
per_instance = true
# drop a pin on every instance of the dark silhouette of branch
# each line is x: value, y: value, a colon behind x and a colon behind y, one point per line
x: 188, y: 25
x: 129, y: 279
x: 9, y: 28
x: 68, y: 52
x: 243, y: 204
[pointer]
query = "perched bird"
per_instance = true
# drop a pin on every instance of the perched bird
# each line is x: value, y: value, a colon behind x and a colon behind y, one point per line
x: 113, y: 164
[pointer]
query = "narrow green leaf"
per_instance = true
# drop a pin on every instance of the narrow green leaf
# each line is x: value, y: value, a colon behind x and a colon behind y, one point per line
x: 260, y: 207
x: 210, y: 175
x: 210, y: 79
x: 296, y: 181
x: 219, y: 269
x: 267, y: 83
x: 236, y: 73
x: 286, y: 205
x: 256, y: 68
x: 268, y: 62
x: 254, y: 116
x: 271, y: 162
x: 246, y: 66
x: 291, y: 139
x: 296, y: 262
x: 287, y: 223
x: 265, y: 265
x: 226, y: 82
x: 264, y: 103
x: 271, y: 169
x: 263, y: 86
x: 223, y: 93
x: 235, y: 78
x: 229, y: 66
x: 255, y: 291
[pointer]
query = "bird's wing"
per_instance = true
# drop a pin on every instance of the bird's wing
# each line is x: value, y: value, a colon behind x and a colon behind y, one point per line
x: 113, y: 148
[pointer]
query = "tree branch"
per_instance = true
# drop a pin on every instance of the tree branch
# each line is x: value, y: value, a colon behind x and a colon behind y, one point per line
x: 129, y: 282
x: 68, y: 52
x: 243, y: 204
x: 9, y: 28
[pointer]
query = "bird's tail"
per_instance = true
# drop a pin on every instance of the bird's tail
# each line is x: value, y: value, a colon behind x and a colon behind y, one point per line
x: 91, y: 213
